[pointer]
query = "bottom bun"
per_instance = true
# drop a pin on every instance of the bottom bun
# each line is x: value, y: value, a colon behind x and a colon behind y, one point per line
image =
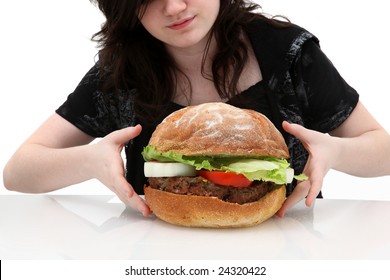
x: 211, y: 212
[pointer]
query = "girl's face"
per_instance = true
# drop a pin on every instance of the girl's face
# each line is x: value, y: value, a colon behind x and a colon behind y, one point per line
x: 180, y: 23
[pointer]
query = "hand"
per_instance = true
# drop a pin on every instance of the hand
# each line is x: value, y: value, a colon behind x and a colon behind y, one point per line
x: 112, y: 172
x: 322, y: 151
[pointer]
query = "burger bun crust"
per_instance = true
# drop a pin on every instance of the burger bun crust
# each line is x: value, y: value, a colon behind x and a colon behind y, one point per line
x: 211, y: 212
x: 218, y: 129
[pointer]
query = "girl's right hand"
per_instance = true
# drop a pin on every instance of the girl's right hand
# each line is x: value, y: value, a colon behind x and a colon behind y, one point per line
x: 111, y: 170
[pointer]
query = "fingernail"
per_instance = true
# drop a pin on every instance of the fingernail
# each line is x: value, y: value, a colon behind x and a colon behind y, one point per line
x: 280, y: 214
x: 145, y: 213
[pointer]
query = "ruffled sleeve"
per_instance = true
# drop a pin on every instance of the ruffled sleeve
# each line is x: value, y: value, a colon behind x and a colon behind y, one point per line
x: 97, y: 113
x: 327, y: 99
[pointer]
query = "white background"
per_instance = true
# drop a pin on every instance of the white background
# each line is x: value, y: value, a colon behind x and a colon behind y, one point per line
x: 45, y: 50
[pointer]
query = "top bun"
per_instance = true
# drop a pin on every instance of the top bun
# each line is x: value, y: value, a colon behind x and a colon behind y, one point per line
x: 218, y: 129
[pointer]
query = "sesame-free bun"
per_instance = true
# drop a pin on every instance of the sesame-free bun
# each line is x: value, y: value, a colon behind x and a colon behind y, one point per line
x: 218, y: 128
x: 211, y: 212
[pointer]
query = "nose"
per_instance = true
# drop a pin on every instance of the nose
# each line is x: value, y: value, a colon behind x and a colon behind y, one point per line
x: 174, y: 7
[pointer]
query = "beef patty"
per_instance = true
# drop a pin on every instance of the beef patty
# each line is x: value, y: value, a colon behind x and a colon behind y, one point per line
x: 202, y: 187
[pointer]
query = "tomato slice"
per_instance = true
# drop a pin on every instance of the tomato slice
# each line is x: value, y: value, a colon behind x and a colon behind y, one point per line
x: 226, y: 178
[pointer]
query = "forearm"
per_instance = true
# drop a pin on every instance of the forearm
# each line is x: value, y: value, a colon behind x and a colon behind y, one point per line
x: 367, y: 155
x: 35, y: 168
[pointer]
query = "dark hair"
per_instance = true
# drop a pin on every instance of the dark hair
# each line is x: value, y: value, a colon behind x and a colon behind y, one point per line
x: 131, y: 58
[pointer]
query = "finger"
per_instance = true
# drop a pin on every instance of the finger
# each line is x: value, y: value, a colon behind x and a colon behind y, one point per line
x: 316, y: 182
x: 296, y: 130
x: 300, y: 192
x: 131, y: 198
x: 290, y: 127
x: 136, y: 202
x: 122, y: 136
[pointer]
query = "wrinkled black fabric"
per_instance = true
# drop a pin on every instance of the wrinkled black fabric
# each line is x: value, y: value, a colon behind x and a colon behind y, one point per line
x: 299, y: 85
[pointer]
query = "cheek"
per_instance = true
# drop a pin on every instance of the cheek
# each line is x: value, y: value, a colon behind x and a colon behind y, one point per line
x: 146, y: 24
x: 149, y: 22
x: 150, y: 27
x: 215, y: 11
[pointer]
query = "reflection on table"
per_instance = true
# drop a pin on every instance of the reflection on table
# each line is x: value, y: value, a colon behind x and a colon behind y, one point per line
x: 101, y: 227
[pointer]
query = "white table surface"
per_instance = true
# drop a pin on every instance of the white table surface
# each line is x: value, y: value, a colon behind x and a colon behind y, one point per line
x: 100, y: 227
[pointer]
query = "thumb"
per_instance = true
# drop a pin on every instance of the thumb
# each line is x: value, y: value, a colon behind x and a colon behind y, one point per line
x: 306, y: 136
x: 294, y: 129
x: 123, y: 135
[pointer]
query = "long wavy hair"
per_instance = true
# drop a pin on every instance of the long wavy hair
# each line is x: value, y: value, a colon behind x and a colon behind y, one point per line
x: 131, y: 58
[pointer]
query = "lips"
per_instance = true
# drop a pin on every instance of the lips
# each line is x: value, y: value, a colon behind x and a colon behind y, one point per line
x: 181, y: 24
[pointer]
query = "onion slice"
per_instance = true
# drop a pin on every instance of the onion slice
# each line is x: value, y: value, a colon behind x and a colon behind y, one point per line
x: 168, y: 169
x: 289, y: 175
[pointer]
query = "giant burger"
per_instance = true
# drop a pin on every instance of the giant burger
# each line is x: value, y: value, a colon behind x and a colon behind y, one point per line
x: 215, y: 165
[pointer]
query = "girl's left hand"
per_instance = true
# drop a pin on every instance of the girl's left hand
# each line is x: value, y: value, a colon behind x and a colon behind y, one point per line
x: 322, y: 150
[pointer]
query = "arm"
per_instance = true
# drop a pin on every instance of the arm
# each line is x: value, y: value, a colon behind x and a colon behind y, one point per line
x: 364, y: 146
x: 360, y: 147
x: 58, y: 154
x: 45, y: 161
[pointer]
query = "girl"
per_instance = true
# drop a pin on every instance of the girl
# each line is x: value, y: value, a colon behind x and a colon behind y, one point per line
x: 157, y: 56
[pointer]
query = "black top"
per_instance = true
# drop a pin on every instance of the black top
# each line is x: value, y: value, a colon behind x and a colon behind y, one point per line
x: 299, y: 85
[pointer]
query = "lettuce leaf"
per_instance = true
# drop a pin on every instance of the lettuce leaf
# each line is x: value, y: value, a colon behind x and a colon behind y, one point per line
x: 272, y: 169
x: 259, y: 168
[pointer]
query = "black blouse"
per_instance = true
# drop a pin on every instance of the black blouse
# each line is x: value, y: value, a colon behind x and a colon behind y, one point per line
x: 299, y: 85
